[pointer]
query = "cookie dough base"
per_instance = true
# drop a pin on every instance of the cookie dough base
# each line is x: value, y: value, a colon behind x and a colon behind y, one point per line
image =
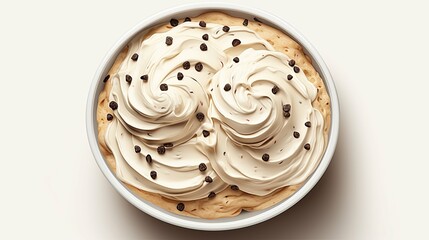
x: 227, y: 203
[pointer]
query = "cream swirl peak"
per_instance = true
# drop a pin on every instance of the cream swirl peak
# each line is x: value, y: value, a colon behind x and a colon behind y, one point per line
x: 268, y: 133
x: 160, y: 100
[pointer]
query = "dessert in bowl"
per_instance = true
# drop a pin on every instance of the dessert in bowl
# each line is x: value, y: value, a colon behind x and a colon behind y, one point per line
x: 209, y: 114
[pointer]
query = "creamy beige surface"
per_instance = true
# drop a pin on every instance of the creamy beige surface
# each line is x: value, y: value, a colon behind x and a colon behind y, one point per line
x: 228, y: 202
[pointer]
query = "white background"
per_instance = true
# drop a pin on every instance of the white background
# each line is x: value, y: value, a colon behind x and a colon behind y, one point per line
x: 375, y: 188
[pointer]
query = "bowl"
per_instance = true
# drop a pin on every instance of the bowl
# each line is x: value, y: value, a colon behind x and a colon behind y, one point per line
x: 245, y: 218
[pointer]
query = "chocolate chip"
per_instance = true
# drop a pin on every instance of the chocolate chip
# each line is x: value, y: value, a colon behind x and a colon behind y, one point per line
x: 128, y: 78
x: 245, y: 22
x: 289, y: 77
x: 109, y: 117
x: 286, y: 107
x: 275, y: 89
x: 307, y: 146
x: 296, y: 134
x: 153, y: 174
x: 203, y: 47
x: 227, y: 87
x: 179, y: 76
x: 206, y: 37
x: 134, y: 57
x: 161, y: 149
x: 187, y: 19
x: 180, y: 206
x: 113, y: 105
x: 106, y: 78
x: 206, y: 133
x: 257, y: 19
x: 307, y: 124
x: 296, y: 69
x: 266, y: 157
x: 148, y: 158
x: 236, y: 59
x: 208, y: 179
x: 292, y: 63
x: 235, y: 187
x: 199, y: 67
x: 186, y: 65
x: 138, y: 149
x: 286, y: 114
x: 212, y: 194
x: 202, y: 167
x: 144, y: 77
x: 225, y: 28
x: 163, y: 87
x: 200, y: 116
x: 236, y: 42
x: 168, y: 145
x: 202, y: 24
x: 174, y: 22
x: 168, y: 41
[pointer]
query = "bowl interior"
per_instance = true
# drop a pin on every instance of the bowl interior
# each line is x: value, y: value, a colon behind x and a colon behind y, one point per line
x: 245, y: 218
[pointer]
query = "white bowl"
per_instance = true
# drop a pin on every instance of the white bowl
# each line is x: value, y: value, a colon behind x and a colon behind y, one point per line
x: 245, y: 218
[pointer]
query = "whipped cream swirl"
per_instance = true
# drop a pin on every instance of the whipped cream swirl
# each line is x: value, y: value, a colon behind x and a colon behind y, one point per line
x: 156, y: 107
x: 250, y: 123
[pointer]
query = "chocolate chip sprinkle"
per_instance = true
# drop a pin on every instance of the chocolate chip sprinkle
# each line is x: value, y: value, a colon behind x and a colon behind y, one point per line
x: 138, y: 149
x: 307, y: 146
x: 235, y: 187
x: 236, y: 59
x: 199, y: 67
x: 106, y: 78
x: 161, y: 149
x: 257, y: 19
x: 296, y: 69
x: 148, y: 158
x: 186, y: 65
x: 212, y: 194
x: 169, y: 145
x: 109, y: 117
x: 292, y: 63
x: 187, y: 19
x: 144, y: 77
x: 202, y: 24
x: 203, y: 47
x: 286, y: 107
x: 236, y: 42
x: 168, y: 40
x: 206, y: 133
x: 286, y: 114
x: 163, y: 87
x: 113, y: 105
x: 202, y: 167
x: 245, y: 22
x: 265, y: 157
x: 179, y: 76
x: 153, y: 174
x: 174, y: 22
x: 128, y: 78
x: 307, y: 124
x: 227, y: 87
x: 200, y: 116
x: 208, y: 179
x: 206, y: 37
x: 289, y: 77
x: 296, y: 134
x: 180, y: 206
x: 134, y: 57
x: 275, y: 89
x: 225, y: 29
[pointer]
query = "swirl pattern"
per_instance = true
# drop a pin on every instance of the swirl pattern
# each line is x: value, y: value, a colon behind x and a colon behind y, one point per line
x: 178, y: 132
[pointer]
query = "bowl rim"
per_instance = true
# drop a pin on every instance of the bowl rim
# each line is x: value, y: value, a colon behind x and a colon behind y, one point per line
x: 230, y: 223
